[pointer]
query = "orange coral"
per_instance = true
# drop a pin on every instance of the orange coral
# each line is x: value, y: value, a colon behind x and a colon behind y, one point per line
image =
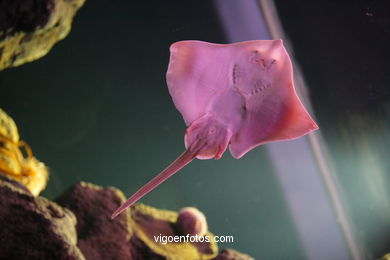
x: 25, y: 169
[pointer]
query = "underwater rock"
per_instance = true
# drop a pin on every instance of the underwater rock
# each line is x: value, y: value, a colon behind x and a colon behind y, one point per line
x: 28, y: 171
x: 131, y: 235
x: 140, y: 251
x: 6, y: 180
x: 151, y: 224
x: 30, y: 28
x: 35, y: 228
x: 230, y: 254
x: 98, y: 236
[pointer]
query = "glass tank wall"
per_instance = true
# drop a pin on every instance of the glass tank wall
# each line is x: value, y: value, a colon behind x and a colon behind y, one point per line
x: 97, y: 109
x: 343, y: 50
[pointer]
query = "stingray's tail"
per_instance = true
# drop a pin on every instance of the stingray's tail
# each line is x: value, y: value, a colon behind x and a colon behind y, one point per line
x: 184, y: 159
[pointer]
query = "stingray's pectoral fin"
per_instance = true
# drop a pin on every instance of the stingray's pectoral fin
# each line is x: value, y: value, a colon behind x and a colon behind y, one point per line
x: 174, y: 167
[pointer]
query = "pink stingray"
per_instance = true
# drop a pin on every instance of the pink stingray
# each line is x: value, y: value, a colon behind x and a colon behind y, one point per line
x: 239, y: 94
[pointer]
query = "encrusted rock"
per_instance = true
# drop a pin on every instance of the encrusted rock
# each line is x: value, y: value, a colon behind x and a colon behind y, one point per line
x: 230, y: 254
x: 155, y: 226
x: 37, y: 228
x: 30, y: 28
x: 132, y: 234
x: 98, y: 236
x: 34, y: 227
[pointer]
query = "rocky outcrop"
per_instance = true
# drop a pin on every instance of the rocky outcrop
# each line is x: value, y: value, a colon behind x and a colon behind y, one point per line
x: 30, y: 28
x: 34, y: 227
x: 80, y: 227
x: 230, y: 254
x: 98, y: 236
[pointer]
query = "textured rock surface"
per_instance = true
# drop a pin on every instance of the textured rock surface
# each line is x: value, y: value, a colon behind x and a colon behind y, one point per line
x: 98, y: 236
x: 40, y: 229
x: 140, y: 251
x: 130, y: 235
x: 230, y: 254
x: 30, y: 28
x: 149, y: 223
x: 35, y: 228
